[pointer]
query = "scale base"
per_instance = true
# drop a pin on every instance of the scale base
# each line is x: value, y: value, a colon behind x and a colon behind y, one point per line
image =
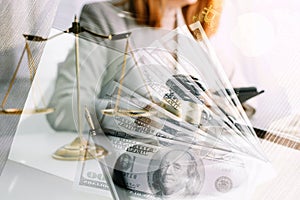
x: 78, y: 150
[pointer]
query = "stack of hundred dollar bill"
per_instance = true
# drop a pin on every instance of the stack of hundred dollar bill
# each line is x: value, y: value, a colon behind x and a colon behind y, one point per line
x: 176, y: 132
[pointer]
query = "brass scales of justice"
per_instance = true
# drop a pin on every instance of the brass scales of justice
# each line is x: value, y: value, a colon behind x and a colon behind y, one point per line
x: 75, y: 150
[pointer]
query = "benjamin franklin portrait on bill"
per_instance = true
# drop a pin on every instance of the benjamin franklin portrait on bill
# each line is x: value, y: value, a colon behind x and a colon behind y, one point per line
x: 177, y: 173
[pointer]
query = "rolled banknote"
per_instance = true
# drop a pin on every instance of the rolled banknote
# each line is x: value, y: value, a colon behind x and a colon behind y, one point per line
x: 148, y: 119
x: 160, y: 124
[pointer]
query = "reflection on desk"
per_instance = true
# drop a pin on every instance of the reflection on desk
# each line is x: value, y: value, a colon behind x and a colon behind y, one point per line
x: 19, y: 182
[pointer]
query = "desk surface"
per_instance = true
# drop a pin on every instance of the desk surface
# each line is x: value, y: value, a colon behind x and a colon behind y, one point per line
x: 19, y: 182
x: 32, y: 172
x: 31, y: 164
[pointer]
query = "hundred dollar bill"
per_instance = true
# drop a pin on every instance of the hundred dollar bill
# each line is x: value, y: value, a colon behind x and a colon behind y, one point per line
x: 180, y: 173
x: 147, y: 171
